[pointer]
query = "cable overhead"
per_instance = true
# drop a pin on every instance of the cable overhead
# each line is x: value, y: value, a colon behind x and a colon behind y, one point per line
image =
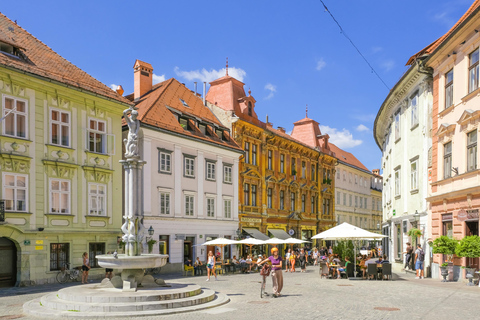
x: 353, y: 44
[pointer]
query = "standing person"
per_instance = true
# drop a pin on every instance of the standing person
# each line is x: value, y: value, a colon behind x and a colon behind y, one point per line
x: 419, y: 258
x: 315, y: 257
x: 408, y: 255
x: 85, y: 267
x: 211, y: 265
x: 287, y: 260
x: 293, y: 257
x: 197, y: 265
x: 330, y: 250
x: 302, y: 258
x: 277, y: 276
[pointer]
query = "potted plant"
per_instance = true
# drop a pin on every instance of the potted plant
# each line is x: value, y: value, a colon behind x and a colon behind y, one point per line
x: 414, y: 233
x: 150, y: 244
x: 445, y: 245
x: 444, y: 271
x: 469, y: 247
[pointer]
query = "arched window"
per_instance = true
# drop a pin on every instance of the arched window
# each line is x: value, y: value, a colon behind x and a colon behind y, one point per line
x: 250, y: 108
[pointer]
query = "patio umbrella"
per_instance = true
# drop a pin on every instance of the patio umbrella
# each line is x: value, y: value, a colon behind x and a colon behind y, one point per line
x: 346, y: 231
x: 294, y: 241
x: 219, y: 242
x: 250, y: 242
x: 274, y: 241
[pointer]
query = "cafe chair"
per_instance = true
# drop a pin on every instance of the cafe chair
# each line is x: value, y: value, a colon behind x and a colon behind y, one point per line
x: 349, y: 271
x: 387, y: 271
x: 372, y: 270
x: 219, y: 269
x: 187, y: 269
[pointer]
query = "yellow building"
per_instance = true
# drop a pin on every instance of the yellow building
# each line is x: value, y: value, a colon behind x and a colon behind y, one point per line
x: 286, y: 186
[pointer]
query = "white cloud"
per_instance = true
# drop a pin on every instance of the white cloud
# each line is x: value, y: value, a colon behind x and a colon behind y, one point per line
x: 361, y: 128
x: 156, y: 78
x: 377, y: 49
x: 270, y: 87
x: 320, y: 64
x: 113, y: 86
x: 342, y: 139
x: 388, y: 65
x: 207, y: 76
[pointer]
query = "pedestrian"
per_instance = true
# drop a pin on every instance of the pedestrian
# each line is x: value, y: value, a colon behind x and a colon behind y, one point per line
x: 108, y: 271
x: 419, y: 258
x: 277, y: 276
x: 330, y: 250
x: 287, y: 260
x: 211, y: 265
x: 293, y: 257
x: 302, y: 258
x: 315, y: 257
x: 408, y: 255
x: 85, y: 267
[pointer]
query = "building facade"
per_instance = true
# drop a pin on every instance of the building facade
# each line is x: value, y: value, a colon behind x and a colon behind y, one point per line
x: 402, y: 131
x: 60, y: 172
x: 455, y: 192
x: 191, y: 171
x: 286, y: 186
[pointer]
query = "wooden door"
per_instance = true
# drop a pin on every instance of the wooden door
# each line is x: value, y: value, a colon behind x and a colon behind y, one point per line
x: 8, y: 263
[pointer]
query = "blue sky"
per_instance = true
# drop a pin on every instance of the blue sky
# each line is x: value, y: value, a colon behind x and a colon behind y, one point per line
x: 289, y: 53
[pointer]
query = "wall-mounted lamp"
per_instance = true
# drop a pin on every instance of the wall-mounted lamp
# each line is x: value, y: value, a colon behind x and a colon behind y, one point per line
x: 150, y: 233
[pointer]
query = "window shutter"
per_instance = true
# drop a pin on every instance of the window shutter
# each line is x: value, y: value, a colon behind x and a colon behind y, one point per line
x: 110, y: 144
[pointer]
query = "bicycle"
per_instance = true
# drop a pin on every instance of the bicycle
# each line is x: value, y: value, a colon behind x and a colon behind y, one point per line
x: 66, y: 273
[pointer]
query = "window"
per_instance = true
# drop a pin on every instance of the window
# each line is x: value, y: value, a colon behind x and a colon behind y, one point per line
x: 15, y: 123
x: 247, y: 152
x: 449, y: 89
x: 189, y: 203
x: 365, y: 203
x: 15, y: 192
x: 303, y: 203
x: 164, y: 245
x: 292, y: 201
x: 282, y: 163
x: 96, y: 199
x: 313, y: 172
x: 282, y: 200
x: 350, y: 177
x: 164, y: 203
x: 447, y: 160
x: 472, y: 150
x: 97, y: 136
x: 350, y: 200
x: 293, y: 167
x: 95, y: 249
x: 344, y: 176
x: 60, y: 126
x: 356, y: 179
x: 202, y: 128
x: 338, y: 175
x: 189, y: 167
x: 447, y: 228
x: 327, y: 210
x: 227, y: 208
x: 269, y: 162
x: 269, y: 198
x: 254, y: 195
x: 164, y: 161
x: 361, y: 181
x: 304, y: 170
x: 312, y: 204
x: 59, y: 255
x: 227, y: 174
x: 59, y: 196
x: 373, y: 204
x: 246, y: 194
x: 250, y: 109
x: 9, y: 49
x: 414, y: 175
x: 254, y: 154
x: 210, y: 174
x: 356, y: 201
x: 338, y: 197
x: 344, y: 199
x: 211, y: 207
x: 397, y: 126
x: 397, y: 182
x: 414, y: 110
x: 473, y: 71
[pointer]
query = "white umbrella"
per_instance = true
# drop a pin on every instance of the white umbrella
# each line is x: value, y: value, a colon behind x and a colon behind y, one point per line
x: 346, y: 231
x: 274, y: 241
x: 294, y: 241
x: 250, y: 242
x: 219, y: 242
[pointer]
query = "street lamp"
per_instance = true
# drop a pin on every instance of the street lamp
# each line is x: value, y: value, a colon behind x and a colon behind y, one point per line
x: 150, y: 233
x: 378, y: 226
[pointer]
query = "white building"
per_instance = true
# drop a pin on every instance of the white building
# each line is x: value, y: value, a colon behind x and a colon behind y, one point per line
x: 191, y: 172
x: 402, y: 131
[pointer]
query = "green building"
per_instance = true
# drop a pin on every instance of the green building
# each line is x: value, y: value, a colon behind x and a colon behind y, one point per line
x: 60, y: 146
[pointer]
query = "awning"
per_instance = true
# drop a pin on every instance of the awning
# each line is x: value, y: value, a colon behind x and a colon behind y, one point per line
x: 279, y: 233
x: 256, y: 233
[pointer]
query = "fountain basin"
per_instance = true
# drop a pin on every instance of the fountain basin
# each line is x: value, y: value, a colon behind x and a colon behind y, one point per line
x: 143, y: 261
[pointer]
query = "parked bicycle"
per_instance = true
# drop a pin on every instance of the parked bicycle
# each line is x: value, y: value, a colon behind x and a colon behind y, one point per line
x: 68, y: 274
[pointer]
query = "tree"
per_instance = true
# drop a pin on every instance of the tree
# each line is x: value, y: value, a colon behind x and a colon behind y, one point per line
x: 445, y: 245
x: 468, y: 247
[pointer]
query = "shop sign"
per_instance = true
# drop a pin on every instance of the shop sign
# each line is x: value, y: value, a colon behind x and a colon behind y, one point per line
x: 393, y: 211
x: 251, y: 220
x: 26, y: 242
x: 39, y: 242
x: 462, y: 215
x: 291, y: 232
x: 38, y: 247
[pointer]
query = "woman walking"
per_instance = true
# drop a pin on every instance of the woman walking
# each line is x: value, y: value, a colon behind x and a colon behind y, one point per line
x: 85, y: 267
x: 302, y: 258
x: 277, y: 276
x: 292, y: 261
x: 211, y: 265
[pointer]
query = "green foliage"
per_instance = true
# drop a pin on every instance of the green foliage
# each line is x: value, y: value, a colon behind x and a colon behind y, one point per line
x: 414, y: 233
x: 469, y: 247
x: 150, y: 244
x: 445, y: 264
x: 444, y: 245
x: 344, y: 249
x: 121, y: 244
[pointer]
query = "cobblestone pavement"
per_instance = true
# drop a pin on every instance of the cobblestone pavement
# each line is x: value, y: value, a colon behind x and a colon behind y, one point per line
x: 306, y: 296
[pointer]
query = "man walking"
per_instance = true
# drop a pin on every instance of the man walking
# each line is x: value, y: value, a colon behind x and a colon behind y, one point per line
x: 408, y: 256
x: 419, y: 258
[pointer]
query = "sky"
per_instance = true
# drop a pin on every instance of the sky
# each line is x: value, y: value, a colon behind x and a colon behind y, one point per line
x: 290, y: 54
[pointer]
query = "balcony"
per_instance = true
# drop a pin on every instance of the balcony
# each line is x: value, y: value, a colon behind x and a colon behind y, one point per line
x: 249, y: 209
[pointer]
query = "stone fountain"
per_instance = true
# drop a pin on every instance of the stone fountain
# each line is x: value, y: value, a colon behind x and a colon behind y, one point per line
x: 122, y: 297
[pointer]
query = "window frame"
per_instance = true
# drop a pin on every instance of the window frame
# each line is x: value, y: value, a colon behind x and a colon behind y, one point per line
x: 104, y: 134
x: 282, y: 200
x: 60, y: 193
x: 61, y: 124
x: 166, y: 205
x: 414, y: 175
x: 15, y: 189
x: 269, y: 159
x: 447, y: 160
x: 473, y: 71
x: 397, y: 182
x: 247, y: 152
x: 92, y: 254
x: 58, y: 261
x: 189, y: 204
x: 398, y: 129
x: 282, y: 163
x: 210, y: 207
x: 227, y: 173
x: 472, y: 156
x: 449, y: 89
x: 254, y: 154
x: 246, y: 194
x: 227, y: 214
x: 104, y: 197
x: 253, y: 188
x: 414, y: 110
x: 15, y: 114
x: 167, y: 166
x: 189, y: 172
x: 292, y: 201
x: 269, y: 198
x: 210, y: 170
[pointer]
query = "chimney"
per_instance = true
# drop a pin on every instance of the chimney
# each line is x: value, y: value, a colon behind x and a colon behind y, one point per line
x: 142, y: 73
x: 376, y: 172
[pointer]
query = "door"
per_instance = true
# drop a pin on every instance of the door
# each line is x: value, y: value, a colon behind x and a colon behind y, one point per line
x: 188, y: 249
x: 472, y: 230
x: 8, y: 263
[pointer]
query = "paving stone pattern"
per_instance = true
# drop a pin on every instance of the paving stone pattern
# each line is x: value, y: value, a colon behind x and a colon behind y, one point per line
x: 306, y: 296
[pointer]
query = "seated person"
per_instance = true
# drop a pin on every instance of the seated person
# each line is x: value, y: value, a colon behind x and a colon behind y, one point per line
x: 343, y: 269
x: 249, y: 263
x: 234, y: 260
x: 243, y: 264
x: 259, y: 259
x: 385, y: 260
x: 363, y: 266
x: 379, y: 261
x: 188, y: 262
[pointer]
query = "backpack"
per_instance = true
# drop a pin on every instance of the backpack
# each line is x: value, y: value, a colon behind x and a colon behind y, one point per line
x: 265, y: 271
x: 421, y: 255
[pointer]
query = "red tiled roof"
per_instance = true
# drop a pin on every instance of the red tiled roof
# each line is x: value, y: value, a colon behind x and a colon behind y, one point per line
x: 152, y: 110
x: 431, y: 47
x: 347, y: 157
x: 39, y: 59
